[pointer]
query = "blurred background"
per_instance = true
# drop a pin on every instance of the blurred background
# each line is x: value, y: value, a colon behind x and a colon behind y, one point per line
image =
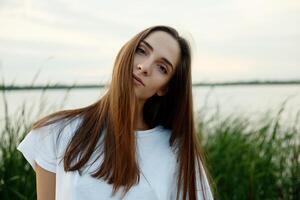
x: 246, y: 67
x: 76, y: 42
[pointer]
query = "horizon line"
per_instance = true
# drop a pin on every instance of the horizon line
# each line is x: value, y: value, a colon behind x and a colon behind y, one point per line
x: 90, y: 86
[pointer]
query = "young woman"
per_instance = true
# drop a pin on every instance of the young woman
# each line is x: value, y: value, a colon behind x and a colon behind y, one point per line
x: 137, y: 142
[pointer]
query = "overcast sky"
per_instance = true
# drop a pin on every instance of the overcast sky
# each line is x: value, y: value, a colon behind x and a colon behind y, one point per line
x: 74, y: 41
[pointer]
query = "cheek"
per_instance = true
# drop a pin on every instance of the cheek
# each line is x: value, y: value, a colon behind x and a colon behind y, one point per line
x: 134, y: 65
x: 137, y: 59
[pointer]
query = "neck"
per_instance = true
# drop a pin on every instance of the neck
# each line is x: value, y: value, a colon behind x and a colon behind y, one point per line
x: 140, y: 124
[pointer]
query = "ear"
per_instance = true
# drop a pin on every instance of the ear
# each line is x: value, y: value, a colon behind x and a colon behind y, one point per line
x: 162, y: 91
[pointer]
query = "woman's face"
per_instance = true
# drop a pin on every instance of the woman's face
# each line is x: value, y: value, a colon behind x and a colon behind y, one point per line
x: 155, y: 61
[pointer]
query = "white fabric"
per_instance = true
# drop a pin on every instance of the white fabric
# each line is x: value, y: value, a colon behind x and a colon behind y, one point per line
x: 156, y: 159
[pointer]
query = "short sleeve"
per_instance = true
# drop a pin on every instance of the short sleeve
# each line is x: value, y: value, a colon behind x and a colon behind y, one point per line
x: 39, y: 146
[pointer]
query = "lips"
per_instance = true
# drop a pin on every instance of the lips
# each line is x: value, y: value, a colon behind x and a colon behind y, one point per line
x: 138, y: 79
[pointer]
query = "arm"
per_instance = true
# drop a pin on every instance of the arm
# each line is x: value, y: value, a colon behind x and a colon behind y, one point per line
x: 45, y: 183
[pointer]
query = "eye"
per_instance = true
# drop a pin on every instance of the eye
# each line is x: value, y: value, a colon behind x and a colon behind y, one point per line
x: 163, y: 69
x: 140, y: 50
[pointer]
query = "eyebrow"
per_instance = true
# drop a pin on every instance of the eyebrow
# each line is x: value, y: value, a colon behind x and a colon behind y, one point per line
x: 163, y: 58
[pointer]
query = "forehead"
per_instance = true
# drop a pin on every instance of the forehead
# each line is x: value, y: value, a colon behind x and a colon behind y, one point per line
x: 164, y: 45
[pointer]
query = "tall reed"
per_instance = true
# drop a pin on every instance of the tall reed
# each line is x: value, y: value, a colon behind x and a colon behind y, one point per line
x: 253, y: 161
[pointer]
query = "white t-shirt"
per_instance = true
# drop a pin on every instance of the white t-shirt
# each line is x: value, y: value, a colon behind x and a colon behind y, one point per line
x: 156, y: 159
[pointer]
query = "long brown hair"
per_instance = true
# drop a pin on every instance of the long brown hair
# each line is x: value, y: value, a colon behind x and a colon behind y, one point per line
x: 115, y: 113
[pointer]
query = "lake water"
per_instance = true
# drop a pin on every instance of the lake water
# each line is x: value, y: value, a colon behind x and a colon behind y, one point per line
x: 253, y: 101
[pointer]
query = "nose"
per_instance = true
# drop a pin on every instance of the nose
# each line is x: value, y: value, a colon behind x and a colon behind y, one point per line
x: 144, y: 68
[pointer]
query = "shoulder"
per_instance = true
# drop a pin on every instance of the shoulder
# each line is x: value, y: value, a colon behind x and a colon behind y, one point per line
x: 61, y: 128
x: 45, y: 144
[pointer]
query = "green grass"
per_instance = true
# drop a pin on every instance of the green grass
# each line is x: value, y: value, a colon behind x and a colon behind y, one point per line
x: 17, y: 178
x: 247, y: 160
x: 253, y: 161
